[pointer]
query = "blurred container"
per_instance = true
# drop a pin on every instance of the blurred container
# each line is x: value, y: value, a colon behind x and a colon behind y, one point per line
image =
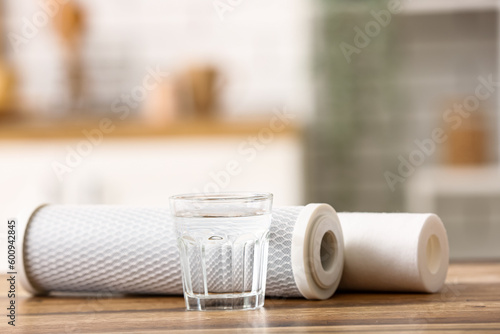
x: 200, y: 88
x: 467, y: 143
x: 162, y: 104
x: 69, y: 24
x: 8, y: 83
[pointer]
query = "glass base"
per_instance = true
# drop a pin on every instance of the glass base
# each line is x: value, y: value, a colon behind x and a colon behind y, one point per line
x: 247, y: 301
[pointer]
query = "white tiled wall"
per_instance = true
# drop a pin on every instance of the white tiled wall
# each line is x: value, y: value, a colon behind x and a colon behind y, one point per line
x: 262, y: 48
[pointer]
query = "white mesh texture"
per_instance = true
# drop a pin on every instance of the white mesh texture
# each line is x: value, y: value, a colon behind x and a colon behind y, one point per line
x: 129, y: 250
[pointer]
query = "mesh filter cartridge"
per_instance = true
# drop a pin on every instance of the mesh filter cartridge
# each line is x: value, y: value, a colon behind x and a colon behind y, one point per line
x: 122, y: 249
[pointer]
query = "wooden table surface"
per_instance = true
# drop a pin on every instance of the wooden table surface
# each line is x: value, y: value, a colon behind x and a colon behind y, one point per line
x: 470, y: 302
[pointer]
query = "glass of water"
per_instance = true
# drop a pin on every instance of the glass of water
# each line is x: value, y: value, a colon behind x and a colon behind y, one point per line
x: 223, y: 243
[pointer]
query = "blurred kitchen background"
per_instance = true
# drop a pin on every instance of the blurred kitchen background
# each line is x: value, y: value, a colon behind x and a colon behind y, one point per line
x: 343, y: 102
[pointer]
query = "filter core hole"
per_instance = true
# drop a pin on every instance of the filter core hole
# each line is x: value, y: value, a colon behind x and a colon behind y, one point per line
x: 327, y: 251
x: 433, y: 254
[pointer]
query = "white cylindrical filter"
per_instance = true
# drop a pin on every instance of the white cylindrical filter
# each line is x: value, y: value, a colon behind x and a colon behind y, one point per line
x: 120, y: 249
x: 394, y: 252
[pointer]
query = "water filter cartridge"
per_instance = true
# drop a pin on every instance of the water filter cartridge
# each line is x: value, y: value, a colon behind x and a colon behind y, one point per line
x: 121, y: 249
x: 394, y: 252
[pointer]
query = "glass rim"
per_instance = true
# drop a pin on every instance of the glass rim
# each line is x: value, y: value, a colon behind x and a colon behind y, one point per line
x: 228, y: 197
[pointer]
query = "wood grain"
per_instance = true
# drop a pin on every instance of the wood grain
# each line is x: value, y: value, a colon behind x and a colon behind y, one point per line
x: 470, y: 301
x: 120, y: 129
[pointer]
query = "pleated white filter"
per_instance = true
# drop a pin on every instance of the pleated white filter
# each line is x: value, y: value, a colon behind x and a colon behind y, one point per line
x: 120, y: 249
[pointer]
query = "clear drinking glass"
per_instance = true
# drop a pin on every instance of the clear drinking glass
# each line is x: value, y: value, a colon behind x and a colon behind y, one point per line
x: 223, y: 243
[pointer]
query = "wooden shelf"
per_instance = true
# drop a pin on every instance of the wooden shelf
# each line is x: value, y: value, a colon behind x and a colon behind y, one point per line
x: 196, y: 128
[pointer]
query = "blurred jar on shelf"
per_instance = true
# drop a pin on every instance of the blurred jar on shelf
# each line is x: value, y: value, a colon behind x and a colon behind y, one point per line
x: 467, y: 133
x: 69, y: 24
x: 200, y: 86
x: 8, y: 85
x: 161, y: 106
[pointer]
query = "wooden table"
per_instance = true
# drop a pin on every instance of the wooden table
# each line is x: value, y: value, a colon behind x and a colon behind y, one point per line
x: 470, y: 301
